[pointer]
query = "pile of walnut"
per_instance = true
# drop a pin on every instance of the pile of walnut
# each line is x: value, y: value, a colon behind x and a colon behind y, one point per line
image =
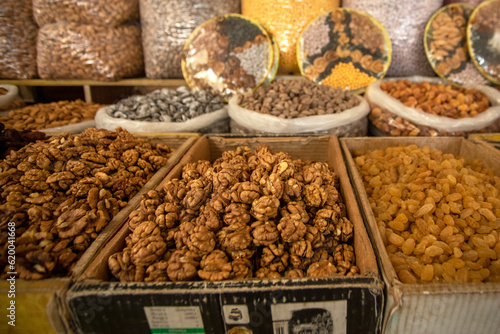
x: 61, y: 192
x: 247, y: 215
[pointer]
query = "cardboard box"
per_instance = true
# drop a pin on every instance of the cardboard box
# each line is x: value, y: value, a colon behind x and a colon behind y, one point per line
x: 427, y: 308
x: 261, y: 306
x: 40, y: 305
x: 490, y: 141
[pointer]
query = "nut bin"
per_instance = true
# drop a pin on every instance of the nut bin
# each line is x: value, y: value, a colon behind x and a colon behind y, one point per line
x: 258, y: 304
x: 46, y: 292
x: 428, y: 282
x: 483, y: 39
x: 344, y: 49
x: 445, y: 45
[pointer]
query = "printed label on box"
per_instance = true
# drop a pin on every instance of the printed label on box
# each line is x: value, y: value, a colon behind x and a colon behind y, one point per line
x: 174, y: 319
x: 310, y: 317
x: 236, y: 314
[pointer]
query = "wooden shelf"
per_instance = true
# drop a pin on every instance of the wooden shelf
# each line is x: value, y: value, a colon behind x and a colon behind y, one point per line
x: 123, y: 82
x: 87, y: 84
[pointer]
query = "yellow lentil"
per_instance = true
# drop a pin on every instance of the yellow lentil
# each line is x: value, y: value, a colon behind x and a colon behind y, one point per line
x: 346, y: 76
x: 284, y: 20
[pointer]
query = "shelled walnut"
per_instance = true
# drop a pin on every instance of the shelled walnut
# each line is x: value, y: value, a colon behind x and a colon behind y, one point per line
x: 228, y: 220
x: 62, y: 191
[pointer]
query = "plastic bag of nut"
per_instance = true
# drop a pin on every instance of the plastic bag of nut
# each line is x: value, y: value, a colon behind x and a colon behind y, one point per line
x: 68, y: 50
x: 298, y: 106
x: 18, y: 34
x: 422, y: 106
x: 405, y: 21
x: 167, y: 110
x: 166, y: 25
x: 96, y: 12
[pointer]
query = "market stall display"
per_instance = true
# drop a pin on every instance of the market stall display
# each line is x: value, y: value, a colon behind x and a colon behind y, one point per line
x: 212, y: 302
x: 344, y: 49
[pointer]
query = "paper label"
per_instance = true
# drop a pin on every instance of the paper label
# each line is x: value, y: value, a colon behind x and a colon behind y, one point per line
x: 236, y: 314
x: 311, y: 317
x: 174, y: 319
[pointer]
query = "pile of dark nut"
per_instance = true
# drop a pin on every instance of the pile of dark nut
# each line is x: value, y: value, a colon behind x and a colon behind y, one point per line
x: 167, y: 105
x: 11, y: 140
x: 297, y: 98
x: 62, y: 191
x: 249, y: 214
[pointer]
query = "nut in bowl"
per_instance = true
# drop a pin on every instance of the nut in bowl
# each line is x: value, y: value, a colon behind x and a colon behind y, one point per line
x: 344, y: 49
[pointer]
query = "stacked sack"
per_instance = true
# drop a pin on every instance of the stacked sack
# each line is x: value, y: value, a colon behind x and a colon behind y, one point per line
x: 18, y: 34
x: 166, y: 26
x: 88, y: 39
